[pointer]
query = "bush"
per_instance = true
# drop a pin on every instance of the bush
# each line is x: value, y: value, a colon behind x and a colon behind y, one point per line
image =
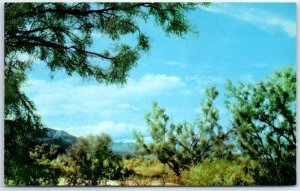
x: 145, y: 167
x: 221, y: 172
x: 89, y: 161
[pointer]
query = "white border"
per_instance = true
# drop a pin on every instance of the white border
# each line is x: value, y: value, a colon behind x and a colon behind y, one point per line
x: 2, y: 187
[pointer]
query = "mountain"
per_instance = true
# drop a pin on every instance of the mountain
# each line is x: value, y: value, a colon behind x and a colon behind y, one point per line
x: 57, y: 137
x: 65, y: 140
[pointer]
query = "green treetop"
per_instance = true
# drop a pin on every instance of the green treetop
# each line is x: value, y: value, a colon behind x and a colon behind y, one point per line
x: 60, y: 34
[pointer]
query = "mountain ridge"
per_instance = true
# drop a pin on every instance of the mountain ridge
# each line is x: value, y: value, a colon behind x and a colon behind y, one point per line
x: 65, y: 140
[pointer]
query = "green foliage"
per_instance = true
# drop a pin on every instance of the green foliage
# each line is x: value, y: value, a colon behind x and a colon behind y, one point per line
x: 221, y: 172
x: 46, y: 151
x: 37, y: 169
x: 89, y: 161
x: 278, y: 171
x: 264, y: 122
x: 22, y: 126
x: 263, y: 128
x: 212, y: 138
x: 31, y: 173
x: 184, y: 144
x: 60, y: 34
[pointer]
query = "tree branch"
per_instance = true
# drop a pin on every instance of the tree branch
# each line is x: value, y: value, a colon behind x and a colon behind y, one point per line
x: 37, y: 41
x: 73, y: 12
x: 277, y: 130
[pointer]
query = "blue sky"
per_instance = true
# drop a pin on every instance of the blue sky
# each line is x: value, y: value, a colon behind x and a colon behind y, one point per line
x: 236, y: 41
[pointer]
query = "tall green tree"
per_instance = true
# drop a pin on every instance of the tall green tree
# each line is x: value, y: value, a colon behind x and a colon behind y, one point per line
x: 22, y: 126
x: 264, y: 122
x: 183, y: 144
x: 61, y: 35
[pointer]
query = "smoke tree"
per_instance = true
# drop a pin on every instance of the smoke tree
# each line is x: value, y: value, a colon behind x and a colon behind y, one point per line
x: 183, y: 144
x: 264, y: 123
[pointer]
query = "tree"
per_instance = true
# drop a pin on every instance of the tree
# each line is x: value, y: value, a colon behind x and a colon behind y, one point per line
x: 22, y: 126
x: 89, y: 161
x: 183, y: 144
x: 213, y: 135
x: 60, y: 35
x: 264, y: 122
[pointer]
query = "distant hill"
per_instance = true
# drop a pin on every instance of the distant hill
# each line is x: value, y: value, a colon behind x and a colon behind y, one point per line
x: 65, y: 140
x: 58, y: 137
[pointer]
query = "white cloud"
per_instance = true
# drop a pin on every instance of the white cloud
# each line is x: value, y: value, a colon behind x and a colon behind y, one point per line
x: 72, y: 96
x: 262, y: 19
x: 152, y: 84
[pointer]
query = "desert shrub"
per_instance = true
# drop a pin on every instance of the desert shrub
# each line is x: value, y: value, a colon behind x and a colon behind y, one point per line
x: 221, y: 172
x: 46, y: 151
x: 89, y: 161
x: 36, y: 174
x: 40, y: 170
x: 145, y: 167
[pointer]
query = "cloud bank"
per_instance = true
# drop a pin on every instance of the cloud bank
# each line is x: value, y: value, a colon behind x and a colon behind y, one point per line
x: 73, y: 96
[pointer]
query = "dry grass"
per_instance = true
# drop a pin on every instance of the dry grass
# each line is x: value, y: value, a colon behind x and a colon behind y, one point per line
x: 146, y: 167
x: 148, y: 172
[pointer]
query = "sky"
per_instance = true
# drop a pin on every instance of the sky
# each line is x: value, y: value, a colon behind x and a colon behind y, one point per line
x: 236, y: 41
